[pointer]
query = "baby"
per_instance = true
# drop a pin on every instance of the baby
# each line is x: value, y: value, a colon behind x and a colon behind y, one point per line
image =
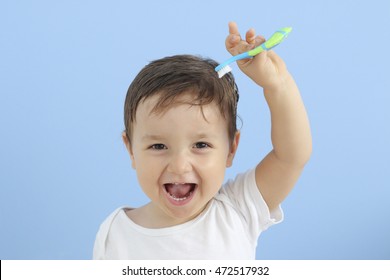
x: 181, y: 135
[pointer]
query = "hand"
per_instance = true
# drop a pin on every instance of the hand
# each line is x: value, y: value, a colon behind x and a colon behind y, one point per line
x: 266, y: 69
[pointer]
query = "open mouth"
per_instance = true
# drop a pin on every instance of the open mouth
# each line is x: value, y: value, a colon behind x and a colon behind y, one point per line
x: 180, y: 192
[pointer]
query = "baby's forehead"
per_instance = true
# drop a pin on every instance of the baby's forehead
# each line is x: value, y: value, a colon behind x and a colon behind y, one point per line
x: 159, y: 103
x: 181, y: 107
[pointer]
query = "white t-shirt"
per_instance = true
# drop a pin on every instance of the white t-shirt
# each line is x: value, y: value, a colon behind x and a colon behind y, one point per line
x: 227, y: 229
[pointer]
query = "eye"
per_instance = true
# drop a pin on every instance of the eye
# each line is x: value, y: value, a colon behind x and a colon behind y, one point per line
x: 201, y: 145
x: 158, y: 147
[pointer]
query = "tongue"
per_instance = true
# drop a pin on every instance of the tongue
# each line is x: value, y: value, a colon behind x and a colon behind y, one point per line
x: 178, y: 190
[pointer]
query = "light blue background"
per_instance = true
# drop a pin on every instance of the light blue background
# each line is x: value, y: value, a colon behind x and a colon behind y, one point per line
x: 64, y: 71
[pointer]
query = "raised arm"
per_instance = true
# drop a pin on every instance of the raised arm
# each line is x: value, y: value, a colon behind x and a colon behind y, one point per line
x: 278, y: 172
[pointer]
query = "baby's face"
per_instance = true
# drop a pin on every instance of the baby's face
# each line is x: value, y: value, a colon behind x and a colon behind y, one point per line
x: 180, y: 156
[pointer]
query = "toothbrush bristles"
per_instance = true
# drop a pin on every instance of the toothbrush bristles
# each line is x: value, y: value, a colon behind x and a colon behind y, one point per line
x: 222, y: 72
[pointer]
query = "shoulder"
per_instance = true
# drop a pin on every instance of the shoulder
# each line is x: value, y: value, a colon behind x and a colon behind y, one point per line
x: 108, y: 221
x: 102, y: 234
x: 239, y: 193
x: 243, y: 183
x: 243, y: 195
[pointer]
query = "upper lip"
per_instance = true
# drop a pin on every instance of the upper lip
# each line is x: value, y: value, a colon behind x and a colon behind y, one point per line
x: 179, y: 183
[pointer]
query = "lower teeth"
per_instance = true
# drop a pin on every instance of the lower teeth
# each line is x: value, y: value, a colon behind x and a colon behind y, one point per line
x: 180, y: 198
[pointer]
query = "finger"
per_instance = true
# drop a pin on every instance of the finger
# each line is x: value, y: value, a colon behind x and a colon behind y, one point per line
x: 234, y: 38
x: 250, y: 36
x: 233, y: 28
x: 238, y: 47
x: 234, y: 44
x: 259, y: 40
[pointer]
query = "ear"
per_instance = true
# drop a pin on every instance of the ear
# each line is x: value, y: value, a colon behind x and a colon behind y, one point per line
x: 233, y: 149
x: 126, y: 141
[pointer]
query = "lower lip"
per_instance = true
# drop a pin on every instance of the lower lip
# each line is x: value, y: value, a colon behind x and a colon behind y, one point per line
x: 180, y: 202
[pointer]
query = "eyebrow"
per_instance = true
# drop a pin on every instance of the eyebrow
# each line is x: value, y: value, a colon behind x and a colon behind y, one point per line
x: 152, y: 137
x: 156, y: 137
x: 203, y: 135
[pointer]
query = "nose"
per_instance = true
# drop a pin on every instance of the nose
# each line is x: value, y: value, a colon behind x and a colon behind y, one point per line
x: 179, y: 163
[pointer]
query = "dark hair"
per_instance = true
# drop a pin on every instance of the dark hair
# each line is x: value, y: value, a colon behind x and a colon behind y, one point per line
x: 169, y: 77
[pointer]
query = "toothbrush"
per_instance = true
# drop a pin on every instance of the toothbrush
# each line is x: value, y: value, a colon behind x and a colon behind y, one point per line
x: 272, y: 42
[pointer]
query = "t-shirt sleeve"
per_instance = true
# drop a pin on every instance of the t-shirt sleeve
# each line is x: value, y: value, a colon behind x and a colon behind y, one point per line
x: 99, y: 248
x: 244, y: 196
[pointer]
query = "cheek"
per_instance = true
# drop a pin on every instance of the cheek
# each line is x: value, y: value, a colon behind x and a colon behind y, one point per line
x: 213, y: 166
x: 148, y: 178
x: 147, y: 165
x: 145, y: 168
